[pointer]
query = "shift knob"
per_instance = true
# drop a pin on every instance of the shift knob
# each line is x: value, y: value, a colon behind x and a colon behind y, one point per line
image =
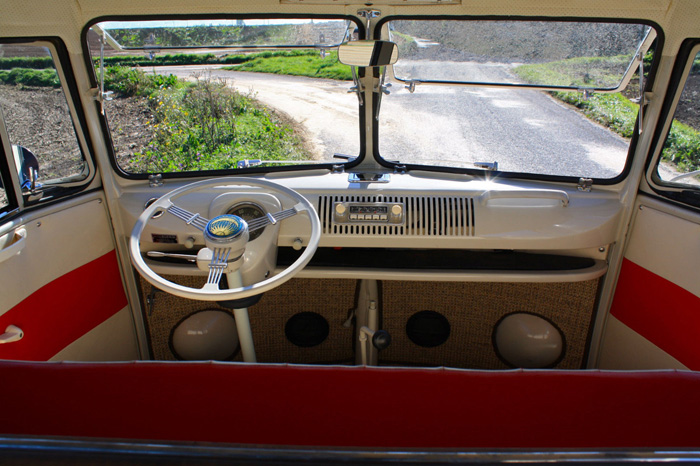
x: 381, y: 339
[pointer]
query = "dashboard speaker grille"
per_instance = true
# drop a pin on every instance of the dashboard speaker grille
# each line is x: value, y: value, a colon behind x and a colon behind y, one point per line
x: 438, y: 216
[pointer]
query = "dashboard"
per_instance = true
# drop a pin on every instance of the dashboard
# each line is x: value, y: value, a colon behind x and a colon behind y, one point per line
x: 411, y: 225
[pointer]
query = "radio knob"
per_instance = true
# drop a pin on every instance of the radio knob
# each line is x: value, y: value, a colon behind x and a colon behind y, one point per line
x: 340, y: 209
x: 396, y: 210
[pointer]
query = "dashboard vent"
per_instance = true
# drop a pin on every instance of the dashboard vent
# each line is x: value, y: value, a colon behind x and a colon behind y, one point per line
x: 439, y: 216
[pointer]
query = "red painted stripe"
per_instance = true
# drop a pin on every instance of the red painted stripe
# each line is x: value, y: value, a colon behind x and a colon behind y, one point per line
x: 659, y: 310
x: 352, y: 407
x: 65, y: 309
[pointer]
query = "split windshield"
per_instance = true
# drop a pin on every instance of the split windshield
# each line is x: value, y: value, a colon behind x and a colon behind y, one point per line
x: 532, y: 97
x: 580, y: 126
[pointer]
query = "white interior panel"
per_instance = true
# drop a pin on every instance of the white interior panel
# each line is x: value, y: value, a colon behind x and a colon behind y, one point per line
x: 112, y: 340
x: 625, y: 349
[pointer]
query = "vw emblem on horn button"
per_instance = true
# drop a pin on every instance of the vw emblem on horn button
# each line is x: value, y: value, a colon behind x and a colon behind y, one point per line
x: 225, y: 227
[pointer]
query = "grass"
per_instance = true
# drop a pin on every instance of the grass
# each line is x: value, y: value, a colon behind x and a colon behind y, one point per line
x: 307, y: 63
x: 682, y: 147
x: 30, y: 77
x: 600, y: 72
x: 208, y: 126
x: 135, y: 82
x: 613, y: 111
x: 36, y: 63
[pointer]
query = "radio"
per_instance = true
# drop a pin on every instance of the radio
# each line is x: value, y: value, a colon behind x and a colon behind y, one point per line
x: 391, y: 213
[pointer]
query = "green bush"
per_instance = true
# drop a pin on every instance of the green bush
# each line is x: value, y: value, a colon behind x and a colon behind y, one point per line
x: 136, y: 82
x: 209, y: 126
x: 682, y: 147
x: 30, y: 77
x: 611, y: 110
x: 160, y: 60
x: 35, y: 63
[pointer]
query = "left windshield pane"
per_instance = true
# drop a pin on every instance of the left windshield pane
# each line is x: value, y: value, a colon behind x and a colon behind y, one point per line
x: 226, y: 94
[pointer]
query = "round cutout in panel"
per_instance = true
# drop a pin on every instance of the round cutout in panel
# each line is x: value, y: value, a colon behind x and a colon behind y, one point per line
x: 205, y: 335
x: 306, y: 329
x: 528, y: 340
x: 428, y: 329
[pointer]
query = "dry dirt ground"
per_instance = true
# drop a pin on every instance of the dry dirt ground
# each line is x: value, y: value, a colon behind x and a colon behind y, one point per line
x: 130, y: 121
x: 38, y: 119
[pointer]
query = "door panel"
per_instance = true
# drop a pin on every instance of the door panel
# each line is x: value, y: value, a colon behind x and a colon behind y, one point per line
x: 655, y: 314
x: 65, y: 287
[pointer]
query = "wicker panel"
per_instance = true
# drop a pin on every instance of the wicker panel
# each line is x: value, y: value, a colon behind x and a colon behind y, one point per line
x: 473, y: 309
x: 333, y: 299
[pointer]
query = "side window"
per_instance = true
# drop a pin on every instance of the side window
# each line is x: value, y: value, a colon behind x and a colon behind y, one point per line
x: 38, y: 120
x: 679, y: 164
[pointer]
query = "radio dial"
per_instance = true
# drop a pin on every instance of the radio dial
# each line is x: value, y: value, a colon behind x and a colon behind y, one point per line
x: 340, y: 209
x: 396, y: 210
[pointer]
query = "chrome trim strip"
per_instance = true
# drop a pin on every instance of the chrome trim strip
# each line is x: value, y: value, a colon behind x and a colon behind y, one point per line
x: 117, y: 450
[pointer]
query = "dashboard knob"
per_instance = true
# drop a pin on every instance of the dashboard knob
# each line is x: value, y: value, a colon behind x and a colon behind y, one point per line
x: 396, y: 210
x: 340, y: 209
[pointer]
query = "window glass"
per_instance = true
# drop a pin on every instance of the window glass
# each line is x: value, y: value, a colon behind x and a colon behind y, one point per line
x: 37, y: 117
x: 680, y: 156
x: 465, y: 95
x: 226, y: 94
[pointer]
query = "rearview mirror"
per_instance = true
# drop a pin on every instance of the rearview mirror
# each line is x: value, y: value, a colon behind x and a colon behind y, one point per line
x: 368, y: 53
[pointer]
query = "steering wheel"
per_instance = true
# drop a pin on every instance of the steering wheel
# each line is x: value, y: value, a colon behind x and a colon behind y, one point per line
x: 226, y: 236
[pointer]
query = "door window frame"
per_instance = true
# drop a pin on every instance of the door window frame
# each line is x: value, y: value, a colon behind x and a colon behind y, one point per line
x: 679, y: 192
x: 59, y: 191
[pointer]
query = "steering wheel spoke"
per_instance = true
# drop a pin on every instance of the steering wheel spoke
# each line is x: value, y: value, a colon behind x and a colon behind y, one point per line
x: 219, y: 262
x: 188, y: 217
x: 271, y: 219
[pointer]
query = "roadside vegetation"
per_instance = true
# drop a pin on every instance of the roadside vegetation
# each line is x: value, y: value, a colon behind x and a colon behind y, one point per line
x: 615, y: 111
x: 202, y: 125
x: 290, y: 62
x: 296, y: 63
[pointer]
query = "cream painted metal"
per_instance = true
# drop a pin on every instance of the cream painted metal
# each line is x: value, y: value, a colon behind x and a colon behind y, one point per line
x: 113, y: 340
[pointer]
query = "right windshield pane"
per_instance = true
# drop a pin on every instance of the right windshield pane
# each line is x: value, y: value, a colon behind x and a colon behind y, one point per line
x: 534, y: 97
